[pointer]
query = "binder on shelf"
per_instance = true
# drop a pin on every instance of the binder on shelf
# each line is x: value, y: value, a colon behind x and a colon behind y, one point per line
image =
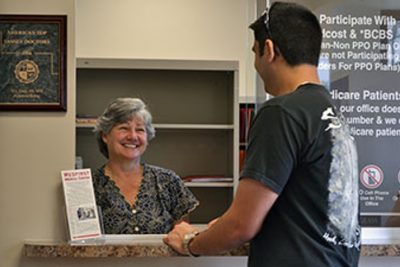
x: 84, y: 119
x: 245, y: 118
x: 242, y: 155
x: 247, y: 112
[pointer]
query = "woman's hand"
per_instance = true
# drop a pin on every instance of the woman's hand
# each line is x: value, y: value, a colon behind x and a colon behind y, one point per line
x: 174, y: 239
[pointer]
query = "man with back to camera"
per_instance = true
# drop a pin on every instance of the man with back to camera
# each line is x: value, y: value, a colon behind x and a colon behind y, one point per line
x: 297, y: 199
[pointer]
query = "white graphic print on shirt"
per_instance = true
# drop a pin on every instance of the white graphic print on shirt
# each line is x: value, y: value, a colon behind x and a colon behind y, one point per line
x: 343, y: 228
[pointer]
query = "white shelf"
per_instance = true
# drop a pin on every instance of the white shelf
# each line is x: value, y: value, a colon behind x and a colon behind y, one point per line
x: 160, y: 64
x: 85, y: 125
x: 195, y: 126
x: 210, y: 184
x: 176, y: 126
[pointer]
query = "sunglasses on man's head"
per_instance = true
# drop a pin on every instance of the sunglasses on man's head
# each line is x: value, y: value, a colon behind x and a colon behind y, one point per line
x: 267, y: 19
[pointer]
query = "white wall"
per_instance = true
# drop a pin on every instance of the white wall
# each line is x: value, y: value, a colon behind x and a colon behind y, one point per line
x: 34, y: 147
x: 173, y: 29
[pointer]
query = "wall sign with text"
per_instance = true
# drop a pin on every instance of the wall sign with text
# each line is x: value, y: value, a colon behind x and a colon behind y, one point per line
x: 360, y: 64
x: 33, y: 62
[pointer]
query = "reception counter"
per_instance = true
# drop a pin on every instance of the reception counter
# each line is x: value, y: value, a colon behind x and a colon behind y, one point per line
x: 110, y: 246
x: 155, y: 248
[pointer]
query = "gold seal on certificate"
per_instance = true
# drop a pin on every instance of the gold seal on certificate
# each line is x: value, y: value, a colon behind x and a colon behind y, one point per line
x: 26, y: 71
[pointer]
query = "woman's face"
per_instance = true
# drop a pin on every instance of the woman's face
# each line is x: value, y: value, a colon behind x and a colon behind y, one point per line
x: 126, y: 141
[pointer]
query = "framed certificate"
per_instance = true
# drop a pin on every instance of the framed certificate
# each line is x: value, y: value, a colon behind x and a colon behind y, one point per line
x: 33, y: 62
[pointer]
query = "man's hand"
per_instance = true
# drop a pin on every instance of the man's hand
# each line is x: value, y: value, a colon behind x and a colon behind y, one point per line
x: 174, y: 239
x: 212, y: 222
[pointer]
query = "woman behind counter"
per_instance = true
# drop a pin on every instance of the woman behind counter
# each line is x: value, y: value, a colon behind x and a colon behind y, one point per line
x: 135, y: 198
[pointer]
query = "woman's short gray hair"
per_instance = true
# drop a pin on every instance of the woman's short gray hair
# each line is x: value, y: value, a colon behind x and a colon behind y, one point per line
x: 119, y: 111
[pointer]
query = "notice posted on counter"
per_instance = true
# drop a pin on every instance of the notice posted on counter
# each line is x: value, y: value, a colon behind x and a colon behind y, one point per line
x: 80, y: 202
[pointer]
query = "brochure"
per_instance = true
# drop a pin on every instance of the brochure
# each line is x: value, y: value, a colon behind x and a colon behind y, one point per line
x: 80, y: 202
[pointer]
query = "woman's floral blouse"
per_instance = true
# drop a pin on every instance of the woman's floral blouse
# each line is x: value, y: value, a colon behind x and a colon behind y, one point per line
x: 162, y: 199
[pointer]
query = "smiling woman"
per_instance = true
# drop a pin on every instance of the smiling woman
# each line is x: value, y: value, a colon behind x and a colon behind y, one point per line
x: 135, y: 197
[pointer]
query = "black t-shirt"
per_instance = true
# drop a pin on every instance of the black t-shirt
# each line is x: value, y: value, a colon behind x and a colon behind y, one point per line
x: 301, y: 149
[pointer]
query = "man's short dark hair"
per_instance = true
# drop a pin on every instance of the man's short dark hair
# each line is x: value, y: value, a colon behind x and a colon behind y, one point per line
x: 294, y: 30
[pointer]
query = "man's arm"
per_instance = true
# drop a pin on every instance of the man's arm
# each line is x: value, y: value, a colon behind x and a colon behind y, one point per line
x: 238, y: 225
